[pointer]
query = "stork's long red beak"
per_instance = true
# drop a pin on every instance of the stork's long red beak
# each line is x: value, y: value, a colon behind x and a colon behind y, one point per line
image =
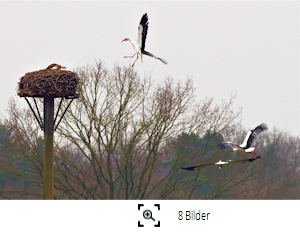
x: 231, y: 150
x: 123, y: 40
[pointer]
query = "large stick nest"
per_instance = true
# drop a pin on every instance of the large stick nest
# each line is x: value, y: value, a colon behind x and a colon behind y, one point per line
x: 49, y: 82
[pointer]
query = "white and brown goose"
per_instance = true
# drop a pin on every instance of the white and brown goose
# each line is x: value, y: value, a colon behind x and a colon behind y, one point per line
x: 245, y: 146
x: 221, y: 164
x: 139, y: 45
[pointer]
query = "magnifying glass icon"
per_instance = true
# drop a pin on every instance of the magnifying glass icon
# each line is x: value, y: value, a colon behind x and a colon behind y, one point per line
x: 147, y: 214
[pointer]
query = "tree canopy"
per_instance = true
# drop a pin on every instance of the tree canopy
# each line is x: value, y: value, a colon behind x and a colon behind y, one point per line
x: 127, y: 137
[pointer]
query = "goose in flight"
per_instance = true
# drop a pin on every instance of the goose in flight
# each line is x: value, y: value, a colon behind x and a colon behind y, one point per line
x: 139, y: 46
x: 245, y: 146
x: 221, y: 164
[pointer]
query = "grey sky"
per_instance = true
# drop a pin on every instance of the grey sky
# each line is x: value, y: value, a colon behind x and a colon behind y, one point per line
x: 250, y: 49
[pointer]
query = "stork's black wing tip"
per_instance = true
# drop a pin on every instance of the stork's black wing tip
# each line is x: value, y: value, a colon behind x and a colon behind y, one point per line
x: 145, y: 16
x: 144, y: 20
x: 262, y: 126
x: 189, y: 169
x: 258, y: 157
x: 221, y: 146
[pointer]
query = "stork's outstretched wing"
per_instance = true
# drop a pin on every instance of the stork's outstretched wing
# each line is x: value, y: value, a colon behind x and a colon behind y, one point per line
x: 252, y: 134
x: 221, y: 163
x: 142, y: 32
x: 225, y: 145
x: 150, y: 54
x: 243, y: 161
x: 198, y: 167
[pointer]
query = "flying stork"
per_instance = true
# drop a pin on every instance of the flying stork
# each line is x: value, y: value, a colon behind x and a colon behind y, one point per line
x: 245, y: 146
x: 220, y: 164
x: 139, y: 46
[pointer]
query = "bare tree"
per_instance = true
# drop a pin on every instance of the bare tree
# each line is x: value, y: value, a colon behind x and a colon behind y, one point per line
x: 122, y: 125
x: 26, y: 148
x: 126, y: 138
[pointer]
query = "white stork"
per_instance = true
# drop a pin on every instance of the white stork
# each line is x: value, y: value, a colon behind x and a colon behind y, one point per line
x: 220, y: 164
x: 245, y: 146
x: 139, y: 46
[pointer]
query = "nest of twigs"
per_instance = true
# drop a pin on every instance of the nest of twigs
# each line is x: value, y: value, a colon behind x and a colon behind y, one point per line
x: 48, y: 82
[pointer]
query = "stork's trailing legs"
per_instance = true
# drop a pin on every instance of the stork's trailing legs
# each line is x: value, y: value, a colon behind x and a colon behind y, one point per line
x: 135, y: 60
x: 132, y: 57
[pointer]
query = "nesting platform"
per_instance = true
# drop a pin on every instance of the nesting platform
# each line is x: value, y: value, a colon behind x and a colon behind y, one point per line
x: 49, y: 83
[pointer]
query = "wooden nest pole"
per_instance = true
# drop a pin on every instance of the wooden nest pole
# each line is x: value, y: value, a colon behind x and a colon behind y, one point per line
x: 49, y: 84
x: 48, y: 145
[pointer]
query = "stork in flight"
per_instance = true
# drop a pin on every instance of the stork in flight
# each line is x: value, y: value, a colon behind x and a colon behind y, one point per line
x: 245, y: 146
x: 220, y: 164
x: 139, y: 46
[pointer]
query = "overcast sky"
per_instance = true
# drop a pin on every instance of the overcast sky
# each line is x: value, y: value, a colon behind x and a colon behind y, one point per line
x: 250, y: 49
